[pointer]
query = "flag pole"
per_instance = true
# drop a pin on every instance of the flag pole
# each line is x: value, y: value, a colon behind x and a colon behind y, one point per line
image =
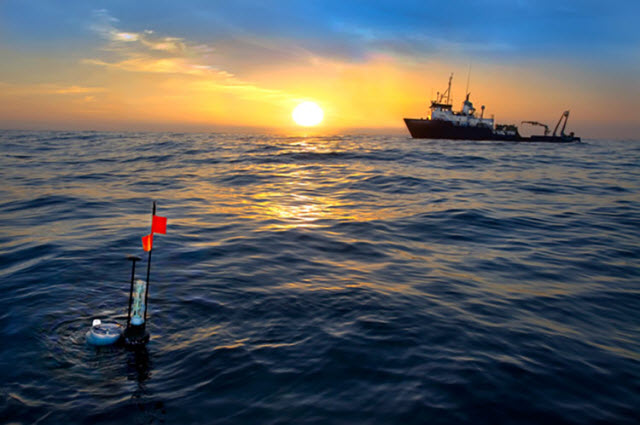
x: 146, y: 294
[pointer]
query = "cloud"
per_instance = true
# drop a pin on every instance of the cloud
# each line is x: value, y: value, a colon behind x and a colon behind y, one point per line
x: 105, y: 26
x: 145, y: 51
x: 49, y: 89
x: 75, y: 89
x: 140, y: 63
x: 125, y: 36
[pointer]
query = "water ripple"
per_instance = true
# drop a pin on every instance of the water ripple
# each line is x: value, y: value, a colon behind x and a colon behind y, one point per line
x: 344, y: 279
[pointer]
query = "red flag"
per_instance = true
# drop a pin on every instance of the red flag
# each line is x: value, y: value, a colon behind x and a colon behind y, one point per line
x: 147, y: 242
x: 159, y: 225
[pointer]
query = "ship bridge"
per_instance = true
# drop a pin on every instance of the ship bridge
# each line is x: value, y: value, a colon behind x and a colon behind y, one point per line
x: 441, y: 109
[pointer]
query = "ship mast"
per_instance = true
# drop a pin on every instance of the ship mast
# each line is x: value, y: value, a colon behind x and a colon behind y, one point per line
x: 447, y: 92
x: 468, y: 79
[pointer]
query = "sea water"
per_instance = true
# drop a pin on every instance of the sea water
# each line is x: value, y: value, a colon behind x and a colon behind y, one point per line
x: 321, y: 280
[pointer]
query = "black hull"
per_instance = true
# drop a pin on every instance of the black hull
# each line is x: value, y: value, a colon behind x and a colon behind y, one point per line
x: 436, y: 129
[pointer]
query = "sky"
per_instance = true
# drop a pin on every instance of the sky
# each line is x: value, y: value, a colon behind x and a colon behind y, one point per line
x: 196, y: 65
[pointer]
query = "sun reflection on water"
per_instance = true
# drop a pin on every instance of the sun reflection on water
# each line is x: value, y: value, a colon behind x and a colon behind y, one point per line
x: 296, y: 210
x: 300, y: 193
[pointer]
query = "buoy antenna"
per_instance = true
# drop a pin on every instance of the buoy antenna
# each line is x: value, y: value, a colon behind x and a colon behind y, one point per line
x: 146, y: 294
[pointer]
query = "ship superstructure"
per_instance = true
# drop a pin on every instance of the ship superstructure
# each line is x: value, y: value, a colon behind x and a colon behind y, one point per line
x: 441, y: 109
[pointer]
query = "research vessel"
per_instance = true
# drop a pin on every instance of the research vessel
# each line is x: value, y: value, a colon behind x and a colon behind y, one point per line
x: 445, y: 123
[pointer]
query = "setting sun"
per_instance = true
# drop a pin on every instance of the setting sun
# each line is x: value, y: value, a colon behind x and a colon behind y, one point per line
x: 307, y: 114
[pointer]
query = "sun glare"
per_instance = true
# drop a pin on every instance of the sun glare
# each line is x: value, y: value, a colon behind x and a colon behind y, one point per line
x: 307, y: 114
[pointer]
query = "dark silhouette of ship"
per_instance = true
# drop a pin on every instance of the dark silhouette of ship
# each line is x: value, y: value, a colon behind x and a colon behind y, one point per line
x: 444, y: 123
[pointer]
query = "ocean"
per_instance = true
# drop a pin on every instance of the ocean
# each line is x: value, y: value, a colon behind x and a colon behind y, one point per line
x: 321, y: 280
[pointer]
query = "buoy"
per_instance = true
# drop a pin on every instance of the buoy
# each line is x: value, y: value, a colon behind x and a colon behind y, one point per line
x: 104, y: 333
x: 135, y: 334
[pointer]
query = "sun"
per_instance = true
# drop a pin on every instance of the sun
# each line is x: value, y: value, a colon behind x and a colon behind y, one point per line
x: 307, y: 114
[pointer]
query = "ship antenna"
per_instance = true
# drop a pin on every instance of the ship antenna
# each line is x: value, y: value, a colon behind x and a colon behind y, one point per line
x: 468, y: 79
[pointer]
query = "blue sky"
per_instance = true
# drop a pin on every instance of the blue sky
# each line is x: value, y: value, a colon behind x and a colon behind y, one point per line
x: 585, y: 31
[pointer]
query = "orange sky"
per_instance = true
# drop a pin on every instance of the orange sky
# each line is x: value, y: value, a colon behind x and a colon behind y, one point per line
x: 133, y: 79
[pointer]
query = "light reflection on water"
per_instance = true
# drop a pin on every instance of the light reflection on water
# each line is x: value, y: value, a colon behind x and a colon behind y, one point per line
x: 417, y: 280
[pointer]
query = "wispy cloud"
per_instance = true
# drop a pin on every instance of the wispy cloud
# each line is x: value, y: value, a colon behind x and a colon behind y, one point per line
x: 106, y: 26
x: 49, y: 89
x: 140, y: 63
x: 145, y: 51
x: 75, y: 89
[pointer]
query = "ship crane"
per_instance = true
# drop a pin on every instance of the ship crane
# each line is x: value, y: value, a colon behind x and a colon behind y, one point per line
x: 564, y: 115
x: 546, y: 127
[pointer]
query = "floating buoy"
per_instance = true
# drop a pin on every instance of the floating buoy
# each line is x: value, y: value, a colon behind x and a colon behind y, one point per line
x: 104, y: 333
x: 135, y: 333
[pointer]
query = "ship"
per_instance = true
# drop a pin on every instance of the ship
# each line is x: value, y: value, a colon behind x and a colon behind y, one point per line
x: 445, y: 123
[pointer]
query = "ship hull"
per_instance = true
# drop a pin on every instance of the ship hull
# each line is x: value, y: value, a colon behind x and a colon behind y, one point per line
x: 438, y: 129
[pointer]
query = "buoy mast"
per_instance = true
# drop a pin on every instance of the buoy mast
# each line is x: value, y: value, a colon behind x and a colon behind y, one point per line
x: 136, y: 332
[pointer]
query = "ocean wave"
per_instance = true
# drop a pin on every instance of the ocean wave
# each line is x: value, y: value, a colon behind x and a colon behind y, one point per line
x: 347, y: 279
